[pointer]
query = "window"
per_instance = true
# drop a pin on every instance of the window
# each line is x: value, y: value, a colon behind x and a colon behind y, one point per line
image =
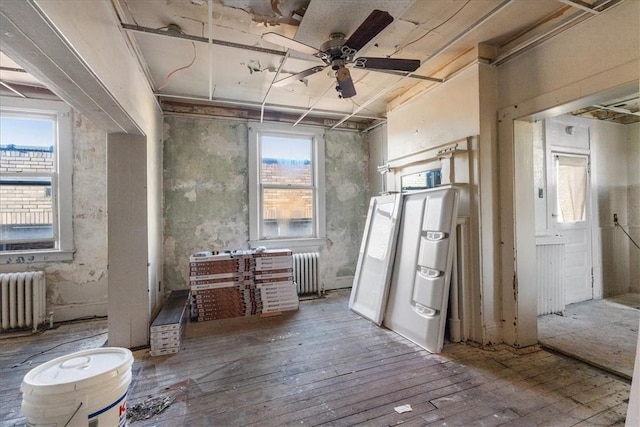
x: 35, y: 181
x: 286, y: 186
x: 572, y: 184
x: 421, y: 180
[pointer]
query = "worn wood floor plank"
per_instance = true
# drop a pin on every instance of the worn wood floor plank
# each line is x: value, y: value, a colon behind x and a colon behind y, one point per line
x: 325, y: 365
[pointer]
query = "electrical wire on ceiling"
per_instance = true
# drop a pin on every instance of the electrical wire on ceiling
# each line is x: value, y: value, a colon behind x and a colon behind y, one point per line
x: 431, y: 30
x: 166, y: 79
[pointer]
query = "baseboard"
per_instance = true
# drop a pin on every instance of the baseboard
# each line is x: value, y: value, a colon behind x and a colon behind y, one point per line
x: 338, y: 283
x: 66, y: 312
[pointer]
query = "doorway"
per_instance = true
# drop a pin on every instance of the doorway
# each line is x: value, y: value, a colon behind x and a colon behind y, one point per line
x: 568, y: 209
x: 584, y: 184
x: 570, y: 217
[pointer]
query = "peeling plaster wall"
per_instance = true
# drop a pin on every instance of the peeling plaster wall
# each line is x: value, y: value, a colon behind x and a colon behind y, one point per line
x: 347, y: 199
x: 78, y: 288
x: 206, y: 197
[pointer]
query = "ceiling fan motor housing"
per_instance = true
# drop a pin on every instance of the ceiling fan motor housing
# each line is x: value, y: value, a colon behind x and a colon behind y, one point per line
x: 334, y: 51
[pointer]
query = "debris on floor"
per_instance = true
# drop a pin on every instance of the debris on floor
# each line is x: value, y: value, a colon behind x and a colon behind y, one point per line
x: 149, y: 408
x: 403, y: 408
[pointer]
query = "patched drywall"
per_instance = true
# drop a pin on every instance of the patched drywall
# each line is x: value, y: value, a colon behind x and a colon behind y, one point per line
x: 78, y: 288
x: 206, y: 197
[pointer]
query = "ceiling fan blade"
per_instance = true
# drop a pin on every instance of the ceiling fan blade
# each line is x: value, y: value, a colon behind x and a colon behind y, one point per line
x: 377, y: 21
x: 299, y: 76
x: 283, y: 41
x: 343, y: 76
x: 387, y: 63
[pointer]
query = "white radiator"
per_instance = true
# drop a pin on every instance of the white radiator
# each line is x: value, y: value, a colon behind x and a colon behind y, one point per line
x: 23, y: 300
x: 306, y: 272
x: 550, y: 267
x: 460, y: 313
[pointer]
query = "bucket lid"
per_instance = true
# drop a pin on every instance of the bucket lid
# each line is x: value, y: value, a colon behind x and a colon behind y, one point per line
x: 81, y: 369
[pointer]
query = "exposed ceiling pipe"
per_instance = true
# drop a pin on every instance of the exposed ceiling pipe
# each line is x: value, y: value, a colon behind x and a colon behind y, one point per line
x: 140, y: 29
x: 8, y: 86
x: 580, y: 5
x: 447, y: 45
x: 331, y: 86
x: 165, y: 33
x: 369, y: 101
x: 264, y: 100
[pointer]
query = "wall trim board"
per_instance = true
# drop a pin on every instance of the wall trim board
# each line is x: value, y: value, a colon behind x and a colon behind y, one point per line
x: 89, y: 310
x: 342, y: 282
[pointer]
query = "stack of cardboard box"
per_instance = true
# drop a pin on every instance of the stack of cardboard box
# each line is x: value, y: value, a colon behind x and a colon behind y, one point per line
x: 241, y: 283
x: 273, y: 275
x: 214, y: 282
x: 168, y: 327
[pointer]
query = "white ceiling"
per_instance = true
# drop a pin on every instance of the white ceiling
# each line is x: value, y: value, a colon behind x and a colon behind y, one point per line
x: 442, y: 34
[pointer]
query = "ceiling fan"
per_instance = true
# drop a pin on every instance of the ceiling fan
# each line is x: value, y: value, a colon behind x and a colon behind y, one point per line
x: 337, y: 52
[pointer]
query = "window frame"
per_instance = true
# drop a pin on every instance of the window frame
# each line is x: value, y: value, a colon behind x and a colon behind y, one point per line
x: 61, y: 181
x: 256, y: 130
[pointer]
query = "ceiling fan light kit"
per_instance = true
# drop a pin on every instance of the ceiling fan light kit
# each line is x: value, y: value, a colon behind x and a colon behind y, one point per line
x: 339, y: 52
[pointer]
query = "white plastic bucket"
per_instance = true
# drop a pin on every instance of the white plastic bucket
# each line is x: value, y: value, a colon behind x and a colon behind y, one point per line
x: 87, y: 388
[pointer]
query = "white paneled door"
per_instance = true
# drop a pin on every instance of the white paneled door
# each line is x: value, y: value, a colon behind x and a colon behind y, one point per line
x: 570, y: 217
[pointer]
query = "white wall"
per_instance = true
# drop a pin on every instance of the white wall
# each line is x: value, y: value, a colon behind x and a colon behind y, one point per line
x: 570, y: 62
x: 633, y: 203
x: 609, y: 190
x: 448, y: 112
x: 582, y: 65
x: 462, y: 107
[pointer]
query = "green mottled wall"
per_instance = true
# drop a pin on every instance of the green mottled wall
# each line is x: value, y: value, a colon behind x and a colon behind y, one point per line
x: 206, y: 195
x: 347, y: 200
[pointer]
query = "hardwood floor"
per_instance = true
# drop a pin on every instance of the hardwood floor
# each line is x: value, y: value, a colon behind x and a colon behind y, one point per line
x: 325, y: 365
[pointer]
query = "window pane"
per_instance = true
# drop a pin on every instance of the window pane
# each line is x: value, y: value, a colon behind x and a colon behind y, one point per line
x: 26, y: 211
x: 285, y: 161
x: 572, y: 188
x: 287, y: 212
x: 28, y: 133
x: 27, y: 202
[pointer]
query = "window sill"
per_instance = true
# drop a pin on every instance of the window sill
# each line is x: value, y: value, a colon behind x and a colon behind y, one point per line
x: 39, y: 256
x: 308, y: 244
